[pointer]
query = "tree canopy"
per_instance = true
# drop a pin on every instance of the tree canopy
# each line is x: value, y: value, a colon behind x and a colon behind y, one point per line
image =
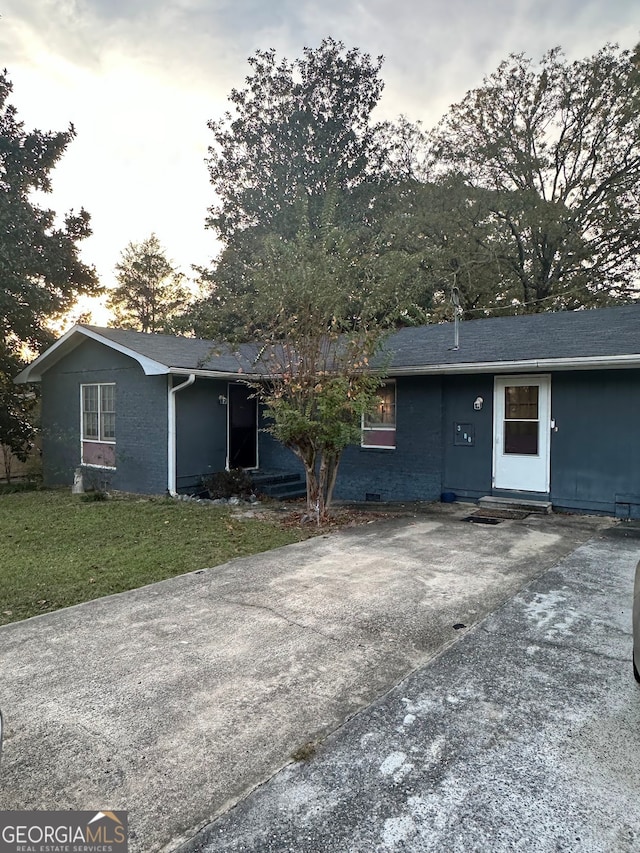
x: 150, y: 290
x: 525, y: 196
x: 302, y: 132
x: 551, y: 152
x: 297, y: 125
x: 40, y: 269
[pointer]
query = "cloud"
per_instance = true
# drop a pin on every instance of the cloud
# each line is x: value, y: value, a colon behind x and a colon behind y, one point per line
x: 435, y: 51
x: 140, y: 79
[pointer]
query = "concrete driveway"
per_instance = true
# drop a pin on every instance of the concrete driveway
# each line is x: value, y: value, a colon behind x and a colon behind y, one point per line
x: 176, y: 700
x: 524, y: 736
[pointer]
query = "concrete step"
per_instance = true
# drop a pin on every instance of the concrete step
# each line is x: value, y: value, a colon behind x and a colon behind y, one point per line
x: 281, y: 485
x: 494, y: 502
x: 268, y: 478
x: 282, y: 491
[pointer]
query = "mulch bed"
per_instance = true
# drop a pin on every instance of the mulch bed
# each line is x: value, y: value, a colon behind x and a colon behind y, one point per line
x: 338, y: 517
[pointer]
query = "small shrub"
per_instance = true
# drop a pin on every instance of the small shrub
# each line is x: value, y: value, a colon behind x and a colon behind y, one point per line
x: 227, y: 484
x: 96, y: 495
x: 96, y: 483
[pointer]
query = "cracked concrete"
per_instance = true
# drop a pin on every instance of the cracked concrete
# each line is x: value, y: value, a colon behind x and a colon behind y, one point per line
x: 174, y: 701
x: 521, y: 736
x: 281, y: 616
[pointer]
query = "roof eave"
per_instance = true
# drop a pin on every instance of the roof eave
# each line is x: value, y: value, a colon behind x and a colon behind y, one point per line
x: 235, y: 376
x: 69, y: 341
x: 582, y: 363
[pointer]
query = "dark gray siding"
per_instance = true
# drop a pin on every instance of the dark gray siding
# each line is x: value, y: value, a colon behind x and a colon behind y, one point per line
x: 413, y: 471
x: 595, y: 453
x: 201, y: 430
x: 141, y: 420
x: 272, y: 455
x: 467, y: 468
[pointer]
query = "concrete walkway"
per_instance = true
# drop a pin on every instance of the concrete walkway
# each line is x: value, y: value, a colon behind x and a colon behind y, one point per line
x: 176, y: 700
x: 525, y: 735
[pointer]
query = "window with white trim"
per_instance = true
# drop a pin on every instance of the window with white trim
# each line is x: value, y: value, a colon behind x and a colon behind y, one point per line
x: 98, y: 424
x: 379, y: 427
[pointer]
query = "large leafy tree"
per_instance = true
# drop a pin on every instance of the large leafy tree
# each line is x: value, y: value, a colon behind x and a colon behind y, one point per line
x: 551, y: 153
x: 302, y: 131
x: 302, y: 124
x: 41, y: 273
x: 303, y: 175
x: 150, y: 291
x: 432, y: 237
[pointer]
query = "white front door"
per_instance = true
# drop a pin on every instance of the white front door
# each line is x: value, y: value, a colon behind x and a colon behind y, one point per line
x: 521, y: 433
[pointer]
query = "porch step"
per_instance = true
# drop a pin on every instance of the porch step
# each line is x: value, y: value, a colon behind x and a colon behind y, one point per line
x: 493, y: 502
x: 287, y: 491
x: 281, y: 485
x: 260, y: 478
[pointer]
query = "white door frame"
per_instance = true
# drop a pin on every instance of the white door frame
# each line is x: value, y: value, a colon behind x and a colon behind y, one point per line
x: 522, y: 473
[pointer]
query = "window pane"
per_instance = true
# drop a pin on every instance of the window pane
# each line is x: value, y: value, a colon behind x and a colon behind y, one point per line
x: 108, y: 426
x: 108, y: 398
x: 521, y: 437
x: 90, y: 398
x: 385, y: 411
x: 379, y: 438
x: 521, y: 402
x: 90, y: 421
x: 98, y: 412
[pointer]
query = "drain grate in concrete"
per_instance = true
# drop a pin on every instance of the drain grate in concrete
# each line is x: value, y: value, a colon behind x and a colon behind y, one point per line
x: 495, y: 516
x: 480, y: 519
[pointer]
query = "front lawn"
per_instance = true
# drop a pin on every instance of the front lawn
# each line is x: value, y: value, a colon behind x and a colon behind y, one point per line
x: 57, y: 550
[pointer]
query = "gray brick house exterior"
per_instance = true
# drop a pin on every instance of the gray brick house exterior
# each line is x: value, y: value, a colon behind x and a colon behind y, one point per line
x: 544, y: 405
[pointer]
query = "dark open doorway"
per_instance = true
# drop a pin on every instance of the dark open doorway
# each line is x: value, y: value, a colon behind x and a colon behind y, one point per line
x: 243, y: 427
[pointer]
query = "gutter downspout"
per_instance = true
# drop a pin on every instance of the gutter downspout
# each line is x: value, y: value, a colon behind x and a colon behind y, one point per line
x: 171, y: 431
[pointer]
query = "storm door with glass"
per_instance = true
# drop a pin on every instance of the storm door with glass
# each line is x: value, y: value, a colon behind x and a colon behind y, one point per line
x: 521, y: 432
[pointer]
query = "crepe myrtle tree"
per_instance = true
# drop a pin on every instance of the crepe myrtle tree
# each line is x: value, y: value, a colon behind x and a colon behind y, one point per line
x: 314, y: 316
x: 316, y: 394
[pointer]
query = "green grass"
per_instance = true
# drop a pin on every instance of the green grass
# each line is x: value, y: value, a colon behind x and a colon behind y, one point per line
x: 56, y: 550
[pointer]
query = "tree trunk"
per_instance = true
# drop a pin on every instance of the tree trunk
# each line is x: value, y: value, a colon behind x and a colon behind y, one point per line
x: 322, y: 487
x: 315, y: 504
x: 333, y: 475
x: 328, y: 472
x: 6, y: 458
x: 307, y: 455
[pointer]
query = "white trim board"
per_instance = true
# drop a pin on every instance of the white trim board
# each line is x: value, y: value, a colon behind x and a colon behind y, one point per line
x: 72, y: 339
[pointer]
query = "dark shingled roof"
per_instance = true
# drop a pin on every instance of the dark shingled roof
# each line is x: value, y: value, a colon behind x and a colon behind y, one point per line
x: 603, y: 332
x: 184, y: 353
x: 563, y: 334
x: 604, y: 337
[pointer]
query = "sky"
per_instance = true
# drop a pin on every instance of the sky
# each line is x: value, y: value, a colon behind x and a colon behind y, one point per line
x: 139, y: 79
